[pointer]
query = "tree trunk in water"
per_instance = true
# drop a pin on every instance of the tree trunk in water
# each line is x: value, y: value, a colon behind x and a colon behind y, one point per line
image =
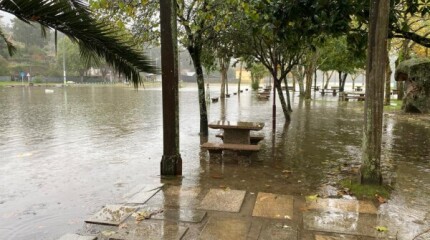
x: 300, y: 79
x: 323, y: 80
x: 373, y: 112
x: 353, y: 77
x: 285, y: 110
x: 388, y: 81
x: 328, y: 79
x: 294, y: 83
x: 240, y: 77
x: 315, y: 78
x: 342, y: 80
x: 308, y: 72
x: 223, y: 76
x: 195, y: 54
x: 171, y: 162
x: 288, y: 95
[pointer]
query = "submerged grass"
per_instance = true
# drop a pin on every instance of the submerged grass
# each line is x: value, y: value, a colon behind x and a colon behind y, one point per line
x: 364, y: 191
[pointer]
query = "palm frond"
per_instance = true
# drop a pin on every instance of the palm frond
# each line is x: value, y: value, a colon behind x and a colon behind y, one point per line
x: 73, y: 18
x: 10, y: 47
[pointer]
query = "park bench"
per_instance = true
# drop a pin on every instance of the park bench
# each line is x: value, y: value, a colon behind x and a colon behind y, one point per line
x: 253, y: 139
x: 241, y: 149
x: 215, y: 99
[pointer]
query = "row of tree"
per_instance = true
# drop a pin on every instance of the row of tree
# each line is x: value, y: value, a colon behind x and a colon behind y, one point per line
x: 283, y: 36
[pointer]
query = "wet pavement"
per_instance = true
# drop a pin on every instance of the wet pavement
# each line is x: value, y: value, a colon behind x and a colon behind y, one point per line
x: 67, y: 155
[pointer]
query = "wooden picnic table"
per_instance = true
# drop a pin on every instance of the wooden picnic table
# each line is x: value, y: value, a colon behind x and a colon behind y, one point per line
x: 237, y: 132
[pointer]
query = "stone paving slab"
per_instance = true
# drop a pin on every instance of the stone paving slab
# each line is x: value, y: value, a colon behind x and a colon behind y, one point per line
x: 151, y: 230
x: 71, y: 236
x: 142, y: 193
x: 225, y: 200
x: 225, y: 229
x: 342, y: 205
x: 176, y: 196
x: 276, y: 206
x: 111, y: 215
x: 341, y: 222
x: 182, y: 215
x: 278, y: 231
x: 340, y: 237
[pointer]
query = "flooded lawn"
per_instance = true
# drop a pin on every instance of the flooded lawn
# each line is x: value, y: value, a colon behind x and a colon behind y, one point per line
x: 66, y: 154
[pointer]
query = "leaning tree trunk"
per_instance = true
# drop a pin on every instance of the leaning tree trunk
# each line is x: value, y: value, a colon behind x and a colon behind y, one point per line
x: 277, y: 83
x: 373, y: 111
x: 328, y: 79
x: 195, y: 54
x: 342, y: 81
x: 288, y: 95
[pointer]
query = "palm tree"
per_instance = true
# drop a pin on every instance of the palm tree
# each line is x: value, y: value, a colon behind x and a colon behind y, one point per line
x: 73, y: 18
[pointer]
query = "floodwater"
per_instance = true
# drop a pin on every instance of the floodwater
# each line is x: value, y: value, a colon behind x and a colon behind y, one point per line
x: 63, y: 155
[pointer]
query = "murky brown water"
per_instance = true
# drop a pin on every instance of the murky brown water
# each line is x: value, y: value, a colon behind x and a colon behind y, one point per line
x: 66, y: 154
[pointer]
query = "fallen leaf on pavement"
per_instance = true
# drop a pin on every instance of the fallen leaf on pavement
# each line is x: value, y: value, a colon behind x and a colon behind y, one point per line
x: 380, y: 199
x: 312, y: 197
x: 381, y: 229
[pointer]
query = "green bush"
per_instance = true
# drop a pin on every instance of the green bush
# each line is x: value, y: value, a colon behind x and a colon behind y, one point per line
x: 255, y: 85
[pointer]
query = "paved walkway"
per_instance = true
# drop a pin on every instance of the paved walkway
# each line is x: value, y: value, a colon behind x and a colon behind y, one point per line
x: 175, y: 212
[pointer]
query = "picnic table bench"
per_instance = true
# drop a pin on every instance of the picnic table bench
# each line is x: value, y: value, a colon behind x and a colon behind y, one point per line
x: 242, y: 149
x: 215, y: 99
x: 253, y: 139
